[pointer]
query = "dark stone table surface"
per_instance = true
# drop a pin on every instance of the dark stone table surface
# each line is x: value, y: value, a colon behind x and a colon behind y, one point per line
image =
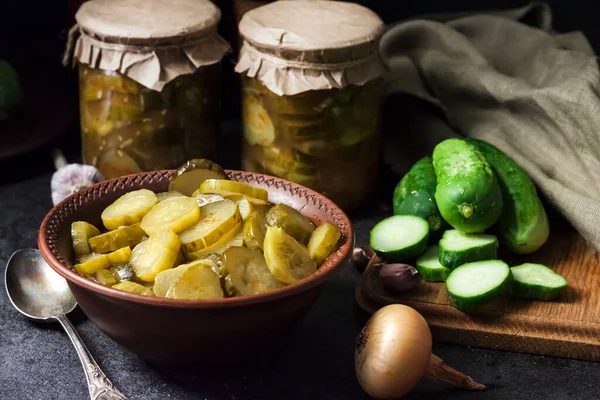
x: 37, y: 361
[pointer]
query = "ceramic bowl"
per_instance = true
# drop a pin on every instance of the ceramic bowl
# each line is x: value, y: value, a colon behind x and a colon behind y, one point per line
x: 168, y: 331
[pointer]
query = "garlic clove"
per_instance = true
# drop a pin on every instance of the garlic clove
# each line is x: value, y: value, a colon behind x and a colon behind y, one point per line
x: 71, y: 179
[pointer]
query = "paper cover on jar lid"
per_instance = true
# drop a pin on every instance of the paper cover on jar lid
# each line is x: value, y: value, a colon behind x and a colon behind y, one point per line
x: 297, y: 46
x: 150, y: 41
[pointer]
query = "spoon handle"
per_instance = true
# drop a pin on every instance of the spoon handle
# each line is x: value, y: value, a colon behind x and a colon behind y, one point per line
x: 98, y: 384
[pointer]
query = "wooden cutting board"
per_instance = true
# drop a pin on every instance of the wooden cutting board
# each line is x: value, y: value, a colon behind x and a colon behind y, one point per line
x: 568, y: 327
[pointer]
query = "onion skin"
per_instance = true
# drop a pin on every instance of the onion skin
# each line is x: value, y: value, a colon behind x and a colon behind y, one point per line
x: 392, y: 352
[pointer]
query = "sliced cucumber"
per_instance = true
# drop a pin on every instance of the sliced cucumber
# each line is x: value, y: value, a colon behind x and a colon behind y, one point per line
x: 476, y: 283
x: 81, y: 232
x: 225, y: 187
x: 291, y: 221
x: 458, y: 248
x: 537, y: 282
x: 114, y: 240
x: 287, y: 259
x: 216, y: 220
x: 429, y: 265
x: 400, y: 238
x: 176, y: 214
x: 129, y: 209
x: 323, y: 241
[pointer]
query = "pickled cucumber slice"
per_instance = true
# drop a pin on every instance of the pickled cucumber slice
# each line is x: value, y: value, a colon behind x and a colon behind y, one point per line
x: 115, y: 163
x: 199, y: 282
x: 81, y: 232
x: 224, y: 188
x: 190, y: 175
x: 217, y: 260
x: 122, y: 272
x: 132, y: 287
x: 323, y: 241
x: 124, y: 107
x: 105, y: 277
x: 155, y: 254
x: 94, y: 117
x: 204, y: 199
x: 291, y: 221
x: 258, y: 127
x: 129, y: 209
x: 119, y: 256
x: 228, y: 288
x: 87, y: 257
x: 166, y: 279
x: 168, y: 195
x: 310, y: 181
x: 176, y: 214
x: 113, y: 240
x: 287, y: 259
x: 90, y: 265
x: 277, y: 161
x: 216, y: 220
x: 97, y: 85
x: 254, y: 231
x: 245, y: 207
x: 219, y: 247
x: 180, y: 259
x: 248, y: 271
x: 95, y: 262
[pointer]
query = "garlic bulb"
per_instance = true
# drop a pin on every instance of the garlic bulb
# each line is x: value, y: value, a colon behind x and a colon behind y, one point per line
x: 71, y: 178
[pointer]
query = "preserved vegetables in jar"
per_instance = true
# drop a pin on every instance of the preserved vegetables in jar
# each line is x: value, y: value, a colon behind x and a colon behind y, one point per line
x: 127, y: 128
x: 326, y: 139
x: 299, y: 122
x: 157, y: 105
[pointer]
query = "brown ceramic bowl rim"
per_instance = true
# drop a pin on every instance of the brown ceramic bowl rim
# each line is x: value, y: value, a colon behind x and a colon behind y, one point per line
x: 329, y: 267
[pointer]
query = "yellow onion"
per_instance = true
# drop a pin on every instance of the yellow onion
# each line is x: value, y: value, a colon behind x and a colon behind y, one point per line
x: 393, y: 353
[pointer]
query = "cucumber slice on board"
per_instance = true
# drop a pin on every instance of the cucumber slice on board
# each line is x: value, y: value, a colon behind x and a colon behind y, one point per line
x: 537, y: 282
x: 428, y: 265
x: 457, y: 248
x: 476, y: 283
x: 400, y: 238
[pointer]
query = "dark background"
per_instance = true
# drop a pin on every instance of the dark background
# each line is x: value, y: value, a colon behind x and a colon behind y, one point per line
x: 33, y: 36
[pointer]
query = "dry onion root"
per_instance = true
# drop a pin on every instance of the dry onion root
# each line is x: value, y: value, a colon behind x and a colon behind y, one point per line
x: 393, y: 352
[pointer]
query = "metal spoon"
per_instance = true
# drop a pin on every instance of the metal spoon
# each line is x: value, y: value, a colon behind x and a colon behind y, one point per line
x: 41, y: 294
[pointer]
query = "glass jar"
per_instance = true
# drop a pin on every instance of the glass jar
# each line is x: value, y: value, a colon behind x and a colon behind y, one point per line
x: 127, y: 128
x: 311, y: 84
x: 149, y: 76
x: 327, y: 140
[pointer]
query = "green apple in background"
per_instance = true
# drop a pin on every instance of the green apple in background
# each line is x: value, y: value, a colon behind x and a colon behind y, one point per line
x: 11, y: 95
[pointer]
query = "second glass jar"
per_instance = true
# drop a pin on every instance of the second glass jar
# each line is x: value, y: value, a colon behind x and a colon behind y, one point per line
x: 327, y: 140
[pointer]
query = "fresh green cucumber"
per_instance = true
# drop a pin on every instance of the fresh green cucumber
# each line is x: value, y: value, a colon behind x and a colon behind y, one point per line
x: 458, y: 248
x: 476, y: 283
x: 467, y: 193
x: 415, y: 195
x: 523, y: 225
x: 400, y: 238
x: 428, y: 265
x: 537, y: 282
